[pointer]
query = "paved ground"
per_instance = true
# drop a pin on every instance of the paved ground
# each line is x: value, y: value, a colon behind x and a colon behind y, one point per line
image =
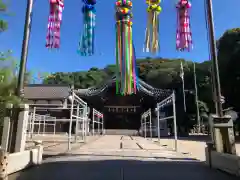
x: 121, y: 158
x: 194, y: 146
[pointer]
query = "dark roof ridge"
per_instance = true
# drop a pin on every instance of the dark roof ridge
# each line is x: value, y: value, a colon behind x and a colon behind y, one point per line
x: 47, y: 85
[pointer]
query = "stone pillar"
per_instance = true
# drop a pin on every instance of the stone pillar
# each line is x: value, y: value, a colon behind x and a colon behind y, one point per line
x: 39, y: 145
x: 4, y: 165
x: 223, y: 136
x: 22, y: 128
x: 6, y: 127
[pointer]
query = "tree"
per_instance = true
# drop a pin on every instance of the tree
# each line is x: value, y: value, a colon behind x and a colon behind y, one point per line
x: 8, y: 72
x: 7, y: 83
x: 228, y: 56
x: 3, y: 23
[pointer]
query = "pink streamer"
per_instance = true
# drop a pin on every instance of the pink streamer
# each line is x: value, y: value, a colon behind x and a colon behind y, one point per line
x: 54, y: 24
x: 184, y: 34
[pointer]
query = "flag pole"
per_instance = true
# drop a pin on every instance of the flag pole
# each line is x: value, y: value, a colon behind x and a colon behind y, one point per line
x: 21, y: 75
x: 196, y: 97
x: 183, y: 88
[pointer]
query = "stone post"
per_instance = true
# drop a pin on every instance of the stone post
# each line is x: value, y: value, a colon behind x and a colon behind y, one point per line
x: 224, y: 139
x: 22, y: 128
x: 4, y: 165
x: 6, y: 127
x: 39, y: 145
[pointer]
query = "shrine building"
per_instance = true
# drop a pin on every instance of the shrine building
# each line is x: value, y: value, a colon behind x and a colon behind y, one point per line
x: 120, y: 112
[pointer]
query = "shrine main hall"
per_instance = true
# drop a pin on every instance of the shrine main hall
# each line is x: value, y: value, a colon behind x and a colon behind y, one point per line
x: 120, y: 112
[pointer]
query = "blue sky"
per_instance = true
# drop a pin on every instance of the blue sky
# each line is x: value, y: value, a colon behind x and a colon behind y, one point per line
x: 66, y: 59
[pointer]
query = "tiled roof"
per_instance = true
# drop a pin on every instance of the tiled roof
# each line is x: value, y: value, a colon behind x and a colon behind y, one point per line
x: 143, y: 87
x: 45, y: 91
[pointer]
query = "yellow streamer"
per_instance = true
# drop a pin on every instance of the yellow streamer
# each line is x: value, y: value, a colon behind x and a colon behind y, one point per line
x: 152, y: 33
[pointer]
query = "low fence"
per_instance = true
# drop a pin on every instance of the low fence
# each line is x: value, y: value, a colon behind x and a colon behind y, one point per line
x: 169, y: 101
x: 40, y: 124
x: 47, y: 128
x: 153, y: 126
x: 146, y: 128
x: 97, y: 120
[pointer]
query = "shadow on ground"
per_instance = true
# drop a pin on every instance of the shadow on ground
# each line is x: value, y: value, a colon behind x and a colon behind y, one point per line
x: 199, y: 138
x: 78, y: 167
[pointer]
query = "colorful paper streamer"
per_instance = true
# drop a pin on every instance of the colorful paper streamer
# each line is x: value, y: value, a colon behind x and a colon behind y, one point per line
x: 54, y: 24
x: 126, y: 79
x: 184, y: 34
x: 86, y: 44
x: 152, y: 30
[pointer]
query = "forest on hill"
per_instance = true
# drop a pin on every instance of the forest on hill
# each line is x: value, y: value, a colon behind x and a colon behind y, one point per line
x: 160, y: 73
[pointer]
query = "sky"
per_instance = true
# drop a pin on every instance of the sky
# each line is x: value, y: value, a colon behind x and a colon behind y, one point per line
x: 66, y: 59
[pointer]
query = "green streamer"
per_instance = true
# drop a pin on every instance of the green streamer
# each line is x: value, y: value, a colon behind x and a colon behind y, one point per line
x: 117, y: 59
x: 127, y: 58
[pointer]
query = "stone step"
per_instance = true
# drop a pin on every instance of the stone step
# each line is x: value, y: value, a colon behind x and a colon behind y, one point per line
x: 128, y: 132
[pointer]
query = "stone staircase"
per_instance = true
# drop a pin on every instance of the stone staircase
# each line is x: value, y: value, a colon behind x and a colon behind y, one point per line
x: 128, y: 132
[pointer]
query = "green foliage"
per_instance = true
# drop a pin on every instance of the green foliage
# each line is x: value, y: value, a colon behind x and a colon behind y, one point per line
x: 3, y: 23
x: 228, y: 56
x: 8, y: 81
x: 8, y: 70
x: 160, y: 73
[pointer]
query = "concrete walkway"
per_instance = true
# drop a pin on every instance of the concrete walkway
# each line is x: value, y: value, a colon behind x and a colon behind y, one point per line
x: 121, y: 158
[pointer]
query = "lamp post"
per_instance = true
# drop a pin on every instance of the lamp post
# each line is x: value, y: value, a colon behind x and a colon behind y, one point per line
x: 223, y: 142
x: 21, y: 75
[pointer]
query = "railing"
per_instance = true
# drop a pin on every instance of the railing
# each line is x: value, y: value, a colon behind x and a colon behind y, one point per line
x: 97, y: 118
x: 146, y: 123
x: 169, y: 101
x: 81, y: 116
x: 40, y: 122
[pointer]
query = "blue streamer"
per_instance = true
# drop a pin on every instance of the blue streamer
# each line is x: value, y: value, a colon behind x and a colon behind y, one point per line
x: 86, y: 44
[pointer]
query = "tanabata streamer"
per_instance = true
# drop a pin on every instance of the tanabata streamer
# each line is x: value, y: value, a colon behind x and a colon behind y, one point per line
x: 152, y: 30
x: 126, y: 80
x: 54, y: 24
x: 86, y: 44
x: 184, y: 34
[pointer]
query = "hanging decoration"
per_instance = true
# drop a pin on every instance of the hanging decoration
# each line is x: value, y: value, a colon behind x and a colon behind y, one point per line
x: 86, y: 44
x: 184, y: 34
x: 152, y: 30
x: 54, y: 24
x: 126, y: 80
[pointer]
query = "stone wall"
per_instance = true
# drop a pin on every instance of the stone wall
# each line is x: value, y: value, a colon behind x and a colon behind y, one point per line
x: 225, y: 162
